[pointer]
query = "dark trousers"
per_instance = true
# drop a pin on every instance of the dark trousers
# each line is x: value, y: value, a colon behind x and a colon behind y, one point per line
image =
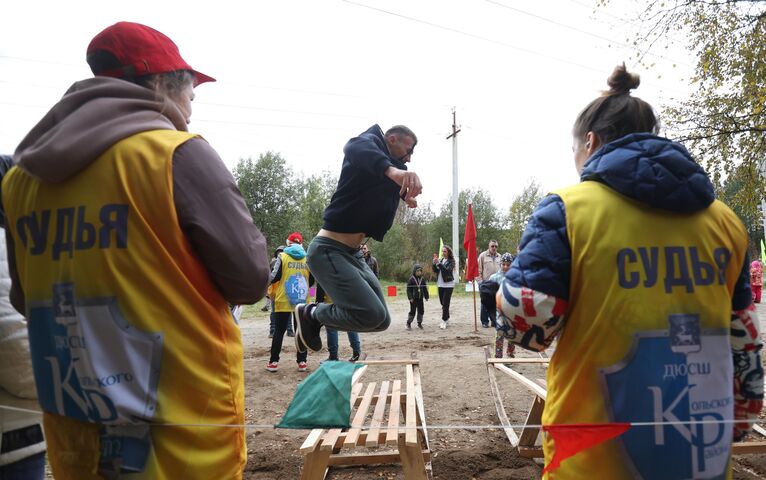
x: 30, y: 468
x: 357, y: 304
x: 445, y: 295
x: 488, y: 315
x: 272, y: 323
x: 281, y: 321
x: 416, y: 306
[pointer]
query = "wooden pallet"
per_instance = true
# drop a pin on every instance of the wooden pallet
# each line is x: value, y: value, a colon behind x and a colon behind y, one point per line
x: 387, y: 423
x: 526, y: 442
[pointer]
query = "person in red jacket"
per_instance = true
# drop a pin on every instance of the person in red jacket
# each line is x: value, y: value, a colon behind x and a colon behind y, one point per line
x: 756, y: 280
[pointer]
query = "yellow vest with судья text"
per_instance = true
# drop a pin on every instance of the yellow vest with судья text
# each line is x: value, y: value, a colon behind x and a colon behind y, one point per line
x: 646, y: 335
x: 292, y: 287
x: 111, y: 280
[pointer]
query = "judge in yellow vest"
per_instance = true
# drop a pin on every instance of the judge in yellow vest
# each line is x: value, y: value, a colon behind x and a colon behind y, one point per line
x: 640, y: 273
x: 290, y: 286
x: 124, y: 266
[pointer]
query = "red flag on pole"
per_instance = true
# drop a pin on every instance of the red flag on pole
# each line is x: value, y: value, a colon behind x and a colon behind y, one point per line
x: 570, y: 439
x: 469, y: 243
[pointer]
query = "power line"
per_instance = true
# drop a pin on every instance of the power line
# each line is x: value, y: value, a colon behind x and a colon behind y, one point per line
x: 579, y: 30
x: 473, y: 35
x: 27, y: 59
x: 624, y: 21
x: 279, y: 110
x: 377, y: 97
x: 482, y: 38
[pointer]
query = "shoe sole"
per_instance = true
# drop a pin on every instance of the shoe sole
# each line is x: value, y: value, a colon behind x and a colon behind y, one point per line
x: 299, y: 333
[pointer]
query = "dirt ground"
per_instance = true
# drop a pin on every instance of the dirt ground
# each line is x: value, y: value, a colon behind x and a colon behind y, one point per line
x: 456, y: 391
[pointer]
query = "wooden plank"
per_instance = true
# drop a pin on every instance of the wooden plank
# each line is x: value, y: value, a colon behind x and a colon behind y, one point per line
x: 359, y: 417
x: 526, y: 452
x: 374, y: 398
x: 404, y: 361
x: 499, y: 407
x: 745, y: 448
x: 421, y: 406
x: 392, y: 433
x: 358, y: 374
x: 519, y: 360
x: 371, y: 458
x: 377, y: 415
x: 410, y: 420
x: 311, y: 441
x: 413, y: 464
x: 531, y: 386
x: 329, y: 439
x: 528, y: 435
x: 315, y: 465
x: 759, y: 429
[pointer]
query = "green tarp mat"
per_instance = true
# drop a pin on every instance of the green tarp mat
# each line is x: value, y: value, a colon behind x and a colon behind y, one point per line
x: 322, y: 400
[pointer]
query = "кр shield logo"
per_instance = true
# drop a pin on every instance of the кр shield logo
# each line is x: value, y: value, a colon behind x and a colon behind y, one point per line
x: 668, y: 378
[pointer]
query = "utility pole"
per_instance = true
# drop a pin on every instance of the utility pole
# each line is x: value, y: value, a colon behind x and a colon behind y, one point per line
x: 455, y: 217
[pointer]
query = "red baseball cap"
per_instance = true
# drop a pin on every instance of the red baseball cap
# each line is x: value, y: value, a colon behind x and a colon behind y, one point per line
x: 295, y: 237
x: 140, y: 50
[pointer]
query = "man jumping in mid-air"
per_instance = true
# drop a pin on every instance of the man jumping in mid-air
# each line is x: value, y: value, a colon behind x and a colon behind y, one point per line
x: 373, y: 179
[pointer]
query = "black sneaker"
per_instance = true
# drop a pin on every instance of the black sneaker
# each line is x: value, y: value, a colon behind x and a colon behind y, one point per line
x: 290, y: 333
x: 306, y: 329
x: 420, y: 326
x: 331, y: 358
x: 357, y: 356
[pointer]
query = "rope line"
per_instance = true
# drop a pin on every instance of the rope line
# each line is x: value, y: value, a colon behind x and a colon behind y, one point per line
x: 257, y: 426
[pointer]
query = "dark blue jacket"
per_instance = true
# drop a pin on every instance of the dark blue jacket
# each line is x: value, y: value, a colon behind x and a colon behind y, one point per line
x: 365, y: 199
x: 653, y: 170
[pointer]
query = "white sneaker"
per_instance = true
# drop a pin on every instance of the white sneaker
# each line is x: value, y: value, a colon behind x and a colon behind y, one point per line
x: 443, y: 325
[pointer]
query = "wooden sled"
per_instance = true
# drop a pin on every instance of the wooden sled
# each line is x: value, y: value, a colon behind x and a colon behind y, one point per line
x: 526, y: 442
x: 384, y: 420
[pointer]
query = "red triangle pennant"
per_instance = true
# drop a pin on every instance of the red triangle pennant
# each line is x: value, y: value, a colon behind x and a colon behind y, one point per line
x: 571, y: 439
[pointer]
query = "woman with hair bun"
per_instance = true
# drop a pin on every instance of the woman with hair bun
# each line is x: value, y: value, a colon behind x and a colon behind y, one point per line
x: 643, y: 276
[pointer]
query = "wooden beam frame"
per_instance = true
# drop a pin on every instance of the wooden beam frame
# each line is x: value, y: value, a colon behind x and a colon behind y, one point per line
x: 526, y: 443
x: 387, y: 429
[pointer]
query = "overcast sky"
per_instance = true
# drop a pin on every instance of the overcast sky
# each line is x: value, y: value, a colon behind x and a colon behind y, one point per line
x: 300, y: 77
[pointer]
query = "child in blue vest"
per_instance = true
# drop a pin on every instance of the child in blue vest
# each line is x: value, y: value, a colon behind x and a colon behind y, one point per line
x: 417, y: 290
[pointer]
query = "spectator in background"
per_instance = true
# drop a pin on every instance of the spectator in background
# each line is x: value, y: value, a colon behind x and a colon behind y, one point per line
x: 489, y: 264
x: 270, y: 298
x: 371, y: 261
x: 290, y: 280
x: 445, y: 269
x: 417, y: 293
x: 756, y: 280
x: 22, y: 448
x: 495, y: 280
